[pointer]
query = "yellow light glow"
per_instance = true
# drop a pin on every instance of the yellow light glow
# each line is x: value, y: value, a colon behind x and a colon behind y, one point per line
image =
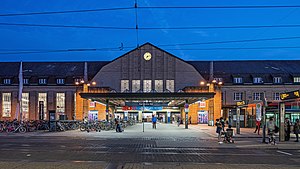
x: 220, y: 83
x: 202, y: 83
x: 214, y: 81
x: 93, y: 83
x: 207, y: 84
x: 88, y: 84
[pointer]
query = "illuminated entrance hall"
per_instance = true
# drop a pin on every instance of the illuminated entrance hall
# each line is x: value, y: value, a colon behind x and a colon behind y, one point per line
x: 149, y: 81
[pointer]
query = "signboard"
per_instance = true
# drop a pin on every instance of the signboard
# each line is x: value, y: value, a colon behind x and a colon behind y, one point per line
x: 202, y: 104
x: 241, y: 103
x: 132, y: 104
x: 141, y: 108
x: 258, y: 112
x: 290, y: 95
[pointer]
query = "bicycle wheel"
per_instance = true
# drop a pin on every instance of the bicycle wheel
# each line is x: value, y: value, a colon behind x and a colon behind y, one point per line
x: 22, y: 129
x: 82, y: 127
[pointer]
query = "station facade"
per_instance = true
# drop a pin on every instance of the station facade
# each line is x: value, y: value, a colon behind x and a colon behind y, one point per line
x: 144, y: 82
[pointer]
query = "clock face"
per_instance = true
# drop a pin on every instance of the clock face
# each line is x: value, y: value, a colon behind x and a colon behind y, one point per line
x: 147, y: 56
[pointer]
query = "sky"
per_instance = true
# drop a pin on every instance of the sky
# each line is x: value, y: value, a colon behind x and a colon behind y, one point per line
x: 50, y: 43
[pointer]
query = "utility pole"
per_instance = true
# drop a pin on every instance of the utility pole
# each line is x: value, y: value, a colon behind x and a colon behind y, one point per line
x: 264, y: 120
x: 238, y: 112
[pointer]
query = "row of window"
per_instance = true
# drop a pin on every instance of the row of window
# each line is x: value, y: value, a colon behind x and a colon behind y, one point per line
x: 256, y: 96
x: 42, y: 99
x: 259, y: 80
x: 41, y: 81
x: 147, y: 85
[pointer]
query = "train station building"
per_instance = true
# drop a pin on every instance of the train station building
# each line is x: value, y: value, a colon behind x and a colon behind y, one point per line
x: 148, y: 81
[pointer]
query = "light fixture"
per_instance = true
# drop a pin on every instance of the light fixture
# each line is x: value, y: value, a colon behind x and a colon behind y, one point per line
x: 220, y: 83
x: 207, y: 84
x: 77, y: 83
x: 88, y: 84
x: 93, y: 83
x: 82, y: 81
x: 202, y: 83
x: 214, y: 81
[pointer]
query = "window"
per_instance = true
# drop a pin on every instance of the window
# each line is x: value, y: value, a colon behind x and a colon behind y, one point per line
x: 7, y: 81
x: 237, y: 80
x: 237, y: 96
x: 219, y: 79
x: 256, y: 96
x: 124, y: 85
x: 25, y: 106
x: 60, y: 81
x: 42, y: 97
x: 6, y: 104
x: 25, y: 81
x: 136, y: 85
x: 296, y: 79
x: 276, y: 96
x: 277, y: 80
x: 159, y: 85
x: 147, y: 86
x: 170, y: 85
x: 60, y: 103
x: 257, y: 80
x: 42, y: 81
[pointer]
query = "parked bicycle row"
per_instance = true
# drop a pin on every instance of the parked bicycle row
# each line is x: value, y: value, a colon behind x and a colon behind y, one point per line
x: 61, y: 125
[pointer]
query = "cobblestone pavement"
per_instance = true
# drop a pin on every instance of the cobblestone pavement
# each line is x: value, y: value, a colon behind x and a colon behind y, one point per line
x: 168, y: 146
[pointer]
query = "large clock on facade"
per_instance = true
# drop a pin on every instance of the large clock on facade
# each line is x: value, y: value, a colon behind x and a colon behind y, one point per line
x: 147, y: 56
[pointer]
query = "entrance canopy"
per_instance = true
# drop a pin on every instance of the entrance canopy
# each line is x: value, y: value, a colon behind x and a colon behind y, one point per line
x: 173, y: 99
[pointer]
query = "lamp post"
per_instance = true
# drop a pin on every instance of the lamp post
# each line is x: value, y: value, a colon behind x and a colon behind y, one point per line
x: 85, y: 89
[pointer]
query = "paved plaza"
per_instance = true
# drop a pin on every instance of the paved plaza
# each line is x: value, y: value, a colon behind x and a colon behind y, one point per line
x: 168, y: 146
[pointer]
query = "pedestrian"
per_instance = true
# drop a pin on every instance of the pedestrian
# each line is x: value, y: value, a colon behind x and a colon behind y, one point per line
x: 190, y: 119
x: 257, y: 127
x: 287, y: 129
x: 222, y: 123
x: 297, y: 129
x: 218, y: 130
x: 154, y: 119
x: 178, y: 121
x: 271, y: 130
x: 117, y: 123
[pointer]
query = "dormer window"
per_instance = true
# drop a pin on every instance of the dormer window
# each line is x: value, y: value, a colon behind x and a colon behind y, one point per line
x: 277, y: 80
x: 42, y: 81
x: 7, y: 81
x: 25, y: 81
x: 296, y: 79
x: 60, y: 81
x: 257, y: 80
x: 237, y: 80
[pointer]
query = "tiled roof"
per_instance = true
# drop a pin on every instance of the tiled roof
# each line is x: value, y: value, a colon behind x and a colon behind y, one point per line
x: 267, y: 69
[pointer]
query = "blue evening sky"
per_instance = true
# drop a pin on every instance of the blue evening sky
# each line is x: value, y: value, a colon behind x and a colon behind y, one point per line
x: 18, y: 38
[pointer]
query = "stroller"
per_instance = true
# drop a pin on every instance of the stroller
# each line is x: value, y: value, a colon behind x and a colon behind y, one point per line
x: 228, y: 135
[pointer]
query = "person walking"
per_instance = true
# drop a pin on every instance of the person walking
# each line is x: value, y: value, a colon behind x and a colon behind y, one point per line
x: 257, y: 127
x: 154, y: 119
x: 271, y: 130
x: 222, y: 123
x: 218, y: 130
x: 287, y: 129
x: 297, y: 129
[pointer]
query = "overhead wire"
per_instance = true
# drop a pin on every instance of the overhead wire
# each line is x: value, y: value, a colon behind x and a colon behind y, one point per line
x: 152, y: 28
x: 150, y: 7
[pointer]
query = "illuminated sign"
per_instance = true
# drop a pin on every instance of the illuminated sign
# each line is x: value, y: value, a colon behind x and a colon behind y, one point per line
x: 290, y: 95
x: 241, y: 103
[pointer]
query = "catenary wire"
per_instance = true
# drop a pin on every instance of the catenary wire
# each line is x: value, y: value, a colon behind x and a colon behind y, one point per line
x: 117, y: 49
x: 150, y: 7
x: 152, y: 28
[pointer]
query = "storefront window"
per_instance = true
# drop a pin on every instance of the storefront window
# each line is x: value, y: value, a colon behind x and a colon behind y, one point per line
x: 147, y: 86
x: 6, y: 104
x: 136, y: 85
x: 25, y: 106
x: 159, y: 85
x: 43, y: 99
x: 124, y: 85
x: 60, y: 103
